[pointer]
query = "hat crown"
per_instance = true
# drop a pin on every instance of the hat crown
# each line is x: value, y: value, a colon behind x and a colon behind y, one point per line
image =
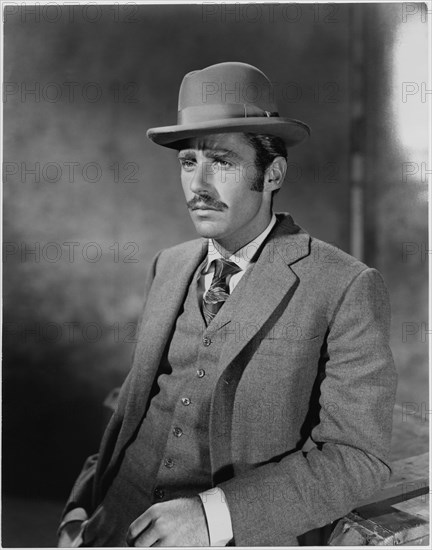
x: 227, y: 84
x: 227, y: 98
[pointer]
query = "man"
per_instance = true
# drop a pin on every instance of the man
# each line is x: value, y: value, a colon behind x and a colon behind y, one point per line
x: 259, y: 403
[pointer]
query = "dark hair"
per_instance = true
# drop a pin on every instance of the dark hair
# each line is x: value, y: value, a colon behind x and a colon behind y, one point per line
x: 267, y: 148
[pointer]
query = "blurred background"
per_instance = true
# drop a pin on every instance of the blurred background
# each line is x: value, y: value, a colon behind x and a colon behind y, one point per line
x: 88, y: 200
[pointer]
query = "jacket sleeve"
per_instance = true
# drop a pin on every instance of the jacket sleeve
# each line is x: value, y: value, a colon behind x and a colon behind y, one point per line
x: 81, y: 495
x: 278, y: 501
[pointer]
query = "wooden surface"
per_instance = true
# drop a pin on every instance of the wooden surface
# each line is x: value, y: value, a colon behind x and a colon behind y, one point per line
x: 397, y: 515
x: 410, y: 478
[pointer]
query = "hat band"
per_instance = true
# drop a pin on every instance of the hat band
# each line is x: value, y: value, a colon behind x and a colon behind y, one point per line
x: 218, y: 111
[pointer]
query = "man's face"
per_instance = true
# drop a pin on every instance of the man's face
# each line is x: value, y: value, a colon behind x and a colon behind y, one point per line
x: 217, y: 174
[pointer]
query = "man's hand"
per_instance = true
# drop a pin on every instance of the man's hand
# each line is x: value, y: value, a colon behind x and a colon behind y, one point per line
x: 179, y: 522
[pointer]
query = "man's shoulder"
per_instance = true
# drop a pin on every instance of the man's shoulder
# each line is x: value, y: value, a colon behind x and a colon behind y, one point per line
x: 324, y: 254
x: 322, y: 265
x: 327, y: 273
x: 320, y: 254
x: 330, y: 267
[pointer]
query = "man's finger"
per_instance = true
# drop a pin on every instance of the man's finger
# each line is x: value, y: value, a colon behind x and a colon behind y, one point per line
x: 137, y: 527
x: 147, y: 538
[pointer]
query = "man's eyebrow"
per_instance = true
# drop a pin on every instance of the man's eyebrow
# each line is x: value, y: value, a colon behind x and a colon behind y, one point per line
x: 221, y: 153
x: 211, y: 154
x: 186, y: 155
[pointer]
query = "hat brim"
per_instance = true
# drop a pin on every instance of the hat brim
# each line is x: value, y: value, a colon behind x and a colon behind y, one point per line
x: 290, y: 130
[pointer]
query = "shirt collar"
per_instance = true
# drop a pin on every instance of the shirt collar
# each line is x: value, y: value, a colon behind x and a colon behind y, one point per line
x: 244, y: 255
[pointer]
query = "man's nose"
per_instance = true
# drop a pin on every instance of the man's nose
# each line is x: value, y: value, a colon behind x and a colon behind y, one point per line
x: 202, y: 178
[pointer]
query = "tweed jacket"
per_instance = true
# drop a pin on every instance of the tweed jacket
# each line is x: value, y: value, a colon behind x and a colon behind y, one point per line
x: 300, y: 423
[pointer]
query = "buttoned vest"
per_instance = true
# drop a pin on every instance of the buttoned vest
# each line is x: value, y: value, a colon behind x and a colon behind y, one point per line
x: 169, y: 456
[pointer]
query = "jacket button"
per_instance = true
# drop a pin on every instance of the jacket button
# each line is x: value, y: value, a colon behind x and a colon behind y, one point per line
x: 206, y: 341
x: 178, y: 432
x: 158, y: 493
x: 200, y: 373
x: 169, y: 463
x: 186, y: 401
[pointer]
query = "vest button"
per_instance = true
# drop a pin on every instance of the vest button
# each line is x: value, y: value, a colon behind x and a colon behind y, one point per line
x: 158, y: 493
x: 200, y: 373
x: 186, y: 401
x: 169, y: 463
x: 206, y: 341
x: 178, y: 432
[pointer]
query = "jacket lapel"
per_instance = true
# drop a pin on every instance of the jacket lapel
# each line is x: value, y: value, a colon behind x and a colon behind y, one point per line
x: 270, y: 281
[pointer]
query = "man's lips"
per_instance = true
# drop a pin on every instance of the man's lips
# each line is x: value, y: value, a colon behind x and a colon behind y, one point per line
x: 205, y: 207
x: 206, y: 203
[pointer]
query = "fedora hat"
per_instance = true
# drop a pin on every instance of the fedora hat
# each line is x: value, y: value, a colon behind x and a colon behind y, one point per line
x: 225, y: 98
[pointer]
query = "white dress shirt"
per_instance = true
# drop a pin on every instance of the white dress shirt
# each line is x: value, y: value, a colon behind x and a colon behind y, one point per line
x: 242, y: 258
x: 215, y: 506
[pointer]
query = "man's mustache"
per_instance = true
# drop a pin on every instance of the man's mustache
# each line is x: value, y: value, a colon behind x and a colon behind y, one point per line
x: 206, y: 200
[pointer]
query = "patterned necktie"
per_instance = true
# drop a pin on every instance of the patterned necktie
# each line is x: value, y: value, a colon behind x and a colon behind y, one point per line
x: 218, y: 292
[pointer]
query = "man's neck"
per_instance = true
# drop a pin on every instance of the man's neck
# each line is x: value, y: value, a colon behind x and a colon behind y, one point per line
x: 227, y: 247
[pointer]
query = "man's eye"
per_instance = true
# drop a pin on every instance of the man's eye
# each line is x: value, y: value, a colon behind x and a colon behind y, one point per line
x: 222, y: 163
x: 187, y: 165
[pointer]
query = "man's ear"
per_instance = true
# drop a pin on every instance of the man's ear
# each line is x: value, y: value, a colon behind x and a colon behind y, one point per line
x: 275, y: 174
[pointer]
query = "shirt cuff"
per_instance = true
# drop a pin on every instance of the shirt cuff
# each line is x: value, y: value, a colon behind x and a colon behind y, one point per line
x: 77, y: 514
x: 218, y: 516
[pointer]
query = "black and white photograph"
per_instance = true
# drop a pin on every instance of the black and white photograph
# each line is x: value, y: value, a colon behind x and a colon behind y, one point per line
x: 215, y: 303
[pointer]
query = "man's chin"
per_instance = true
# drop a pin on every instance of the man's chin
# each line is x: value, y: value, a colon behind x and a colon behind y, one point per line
x: 209, y: 229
